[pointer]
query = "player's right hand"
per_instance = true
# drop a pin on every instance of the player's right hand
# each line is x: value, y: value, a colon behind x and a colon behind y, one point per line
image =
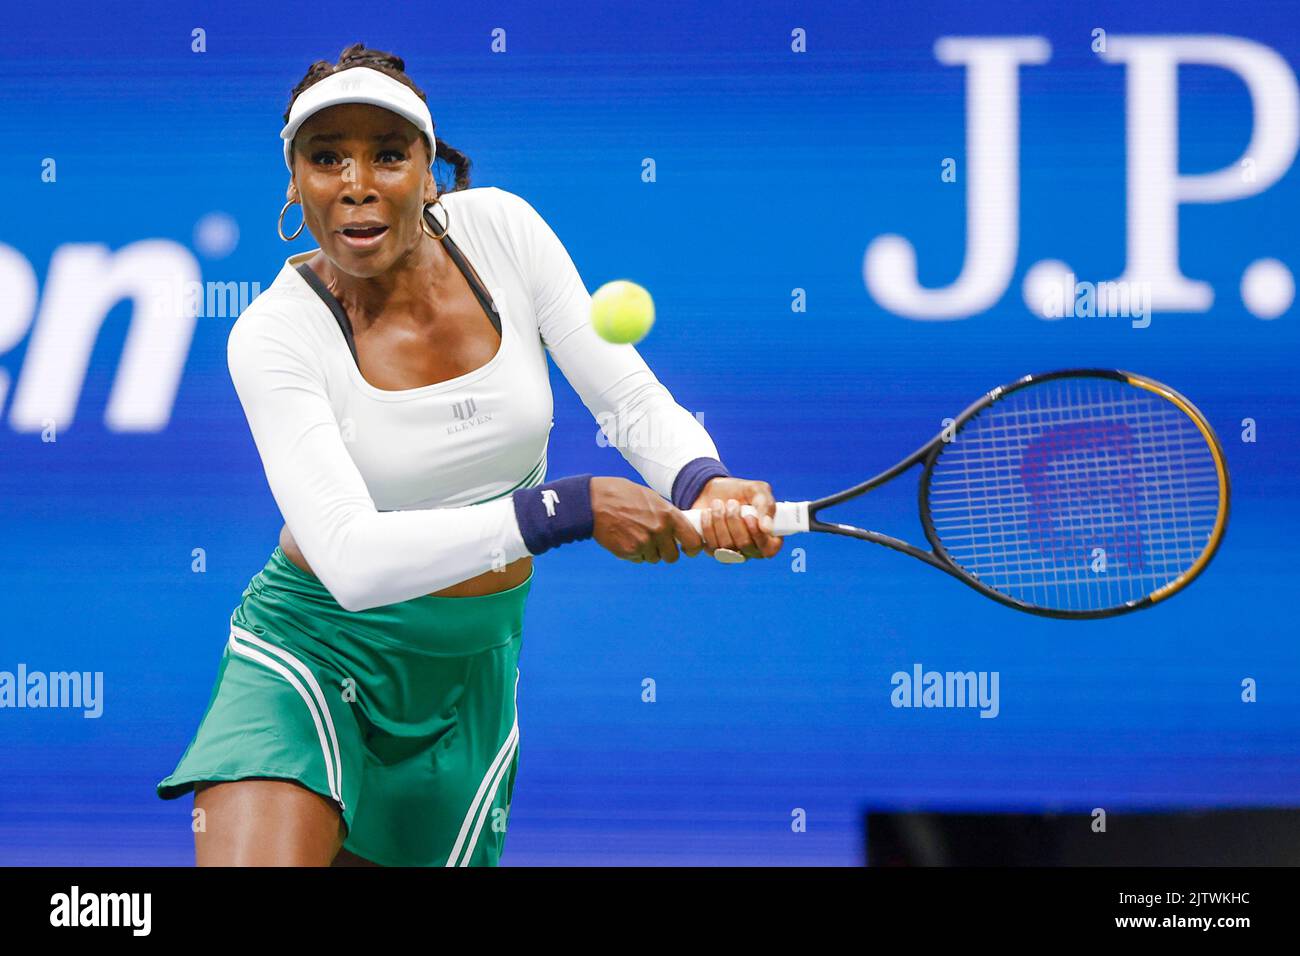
x: 634, y: 523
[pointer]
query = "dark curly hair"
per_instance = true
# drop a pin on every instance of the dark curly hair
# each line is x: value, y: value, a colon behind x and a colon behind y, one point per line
x: 358, y: 54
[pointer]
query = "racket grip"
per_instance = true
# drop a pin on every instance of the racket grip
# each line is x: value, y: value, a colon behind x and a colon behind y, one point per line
x: 791, y: 517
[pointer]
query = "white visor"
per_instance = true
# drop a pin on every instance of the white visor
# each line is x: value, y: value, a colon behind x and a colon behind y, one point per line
x: 358, y: 84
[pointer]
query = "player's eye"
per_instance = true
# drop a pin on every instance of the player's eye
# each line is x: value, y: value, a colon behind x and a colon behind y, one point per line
x: 330, y: 158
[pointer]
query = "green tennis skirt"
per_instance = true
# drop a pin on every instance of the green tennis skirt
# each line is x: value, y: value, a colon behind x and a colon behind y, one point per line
x: 403, y: 715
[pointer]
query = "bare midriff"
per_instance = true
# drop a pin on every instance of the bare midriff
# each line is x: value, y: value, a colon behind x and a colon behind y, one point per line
x: 489, y: 582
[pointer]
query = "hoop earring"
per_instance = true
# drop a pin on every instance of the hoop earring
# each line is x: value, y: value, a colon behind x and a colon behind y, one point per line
x: 279, y: 226
x: 426, y: 215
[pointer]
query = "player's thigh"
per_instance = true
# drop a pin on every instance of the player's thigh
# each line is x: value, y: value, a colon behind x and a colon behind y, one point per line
x: 265, y: 823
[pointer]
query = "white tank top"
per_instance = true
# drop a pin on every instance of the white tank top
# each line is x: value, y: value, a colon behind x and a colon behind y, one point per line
x: 463, y: 441
x: 442, y: 459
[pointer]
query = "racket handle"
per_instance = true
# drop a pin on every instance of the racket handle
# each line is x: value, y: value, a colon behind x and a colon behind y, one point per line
x: 791, y: 517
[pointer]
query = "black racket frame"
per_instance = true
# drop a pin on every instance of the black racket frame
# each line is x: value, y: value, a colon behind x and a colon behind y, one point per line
x: 929, y: 453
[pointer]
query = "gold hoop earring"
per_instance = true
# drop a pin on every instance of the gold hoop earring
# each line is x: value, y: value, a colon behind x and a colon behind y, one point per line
x: 425, y: 216
x: 279, y: 226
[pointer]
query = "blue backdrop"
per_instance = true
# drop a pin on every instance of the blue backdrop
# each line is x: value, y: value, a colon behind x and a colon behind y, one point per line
x: 774, y: 171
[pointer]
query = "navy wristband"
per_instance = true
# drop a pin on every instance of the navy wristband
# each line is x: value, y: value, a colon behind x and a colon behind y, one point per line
x: 692, y: 478
x: 554, y: 513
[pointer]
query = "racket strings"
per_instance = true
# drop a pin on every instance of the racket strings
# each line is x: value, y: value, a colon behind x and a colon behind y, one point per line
x: 1076, y: 494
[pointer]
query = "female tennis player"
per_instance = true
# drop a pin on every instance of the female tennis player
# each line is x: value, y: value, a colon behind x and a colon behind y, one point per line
x: 395, y: 383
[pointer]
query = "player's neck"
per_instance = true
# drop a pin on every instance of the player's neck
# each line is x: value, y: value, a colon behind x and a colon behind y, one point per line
x: 404, y: 289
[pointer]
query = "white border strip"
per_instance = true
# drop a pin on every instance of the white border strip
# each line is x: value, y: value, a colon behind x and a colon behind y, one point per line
x: 333, y: 765
x: 487, y: 804
x: 492, y: 780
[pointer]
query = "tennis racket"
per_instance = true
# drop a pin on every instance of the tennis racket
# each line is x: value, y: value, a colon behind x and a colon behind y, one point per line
x: 1083, y: 493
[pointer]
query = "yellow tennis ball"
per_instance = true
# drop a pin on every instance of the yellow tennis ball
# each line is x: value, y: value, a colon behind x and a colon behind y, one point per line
x: 622, y: 312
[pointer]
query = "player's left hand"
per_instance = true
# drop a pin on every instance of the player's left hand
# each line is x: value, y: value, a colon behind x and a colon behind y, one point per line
x: 722, y: 525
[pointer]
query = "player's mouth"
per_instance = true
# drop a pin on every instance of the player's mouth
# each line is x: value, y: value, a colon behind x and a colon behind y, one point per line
x: 363, y: 235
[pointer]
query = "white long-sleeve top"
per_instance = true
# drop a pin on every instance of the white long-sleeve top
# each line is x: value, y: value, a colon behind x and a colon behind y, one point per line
x: 395, y: 494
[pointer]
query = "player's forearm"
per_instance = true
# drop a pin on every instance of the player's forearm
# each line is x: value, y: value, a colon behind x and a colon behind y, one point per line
x: 367, y: 559
x: 372, y: 558
x: 659, y: 438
